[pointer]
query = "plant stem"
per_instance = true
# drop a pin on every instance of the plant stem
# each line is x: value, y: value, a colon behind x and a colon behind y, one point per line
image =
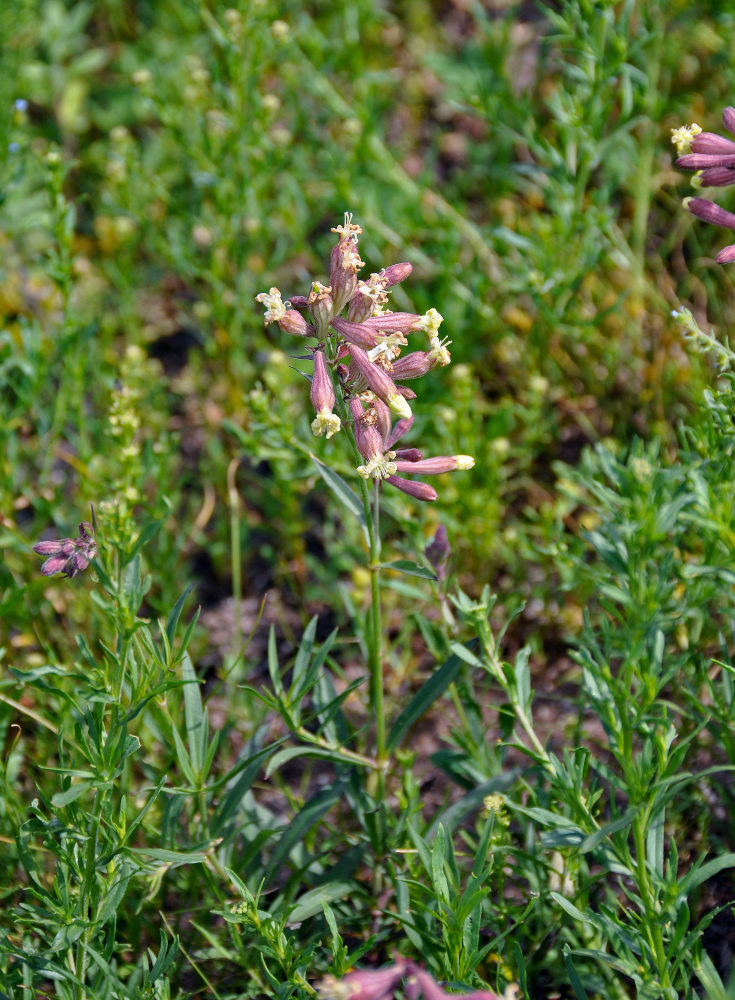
x: 374, y: 632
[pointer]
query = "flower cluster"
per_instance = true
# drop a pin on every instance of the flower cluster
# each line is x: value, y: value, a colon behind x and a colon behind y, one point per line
x: 360, y: 354
x: 713, y: 156
x: 381, y: 984
x: 68, y: 555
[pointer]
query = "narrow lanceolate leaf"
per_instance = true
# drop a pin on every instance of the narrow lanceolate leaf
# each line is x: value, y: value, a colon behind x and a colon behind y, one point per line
x: 314, y: 901
x: 409, y: 568
x: 344, y: 493
x: 424, y: 697
x: 193, y: 715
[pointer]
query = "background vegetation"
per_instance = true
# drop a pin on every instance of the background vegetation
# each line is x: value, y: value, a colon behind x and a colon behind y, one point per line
x: 160, y: 164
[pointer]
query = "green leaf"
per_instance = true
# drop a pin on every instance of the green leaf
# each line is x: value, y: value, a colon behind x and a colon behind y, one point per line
x: 71, y: 794
x: 696, y: 876
x: 173, y: 858
x: 409, y: 568
x: 173, y: 619
x: 344, y: 493
x: 194, y: 716
x: 301, y: 823
x: 434, y: 687
x: 283, y: 756
x: 574, y: 975
x: 313, y: 901
x: 574, y: 912
x: 148, y: 532
x: 455, y: 813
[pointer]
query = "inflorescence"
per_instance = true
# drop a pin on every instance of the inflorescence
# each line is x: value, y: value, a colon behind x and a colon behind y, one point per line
x: 713, y: 157
x: 359, y: 354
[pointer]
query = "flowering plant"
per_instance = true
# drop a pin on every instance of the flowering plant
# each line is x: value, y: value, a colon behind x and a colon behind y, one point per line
x: 360, y: 355
x: 359, y: 371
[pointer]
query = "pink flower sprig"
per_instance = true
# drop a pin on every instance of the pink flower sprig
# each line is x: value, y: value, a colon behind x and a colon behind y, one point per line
x: 68, y: 555
x: 381, y: 984
x: 713, y: 156
x: 360, y: 354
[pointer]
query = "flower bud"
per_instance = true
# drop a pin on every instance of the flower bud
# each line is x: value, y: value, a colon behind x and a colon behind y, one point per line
x: 417, y: 490
x: 293, y: 322
x: 299, y: 302
x: 438, y: 552
x: 413, y: 365
x: 392, y: 322
x: 409, y: 454
x: 355, y: 333
x: 396, y: 273
x: 382, y: 417
x: 400, y: 428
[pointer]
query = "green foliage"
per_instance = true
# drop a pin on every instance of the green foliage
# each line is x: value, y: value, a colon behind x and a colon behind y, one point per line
x: 528, y: 791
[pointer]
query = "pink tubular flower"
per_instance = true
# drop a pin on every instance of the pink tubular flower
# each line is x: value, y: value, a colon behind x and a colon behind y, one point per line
x: 421, y: 984
x: 417, y: 490
x: 68, y: 555
x: 293, y: 322
x: 344, y: 264
x: 371, y: 294
x: 380, y: 382
x: 392, y: 322
x: 378, y: 462
x: 365, y: 984
x: 358, y: 334
x: 435, y: 466
x: 710, y: 212
x: 438, y: 552
x: 713, y: 154
x: 326, y: 423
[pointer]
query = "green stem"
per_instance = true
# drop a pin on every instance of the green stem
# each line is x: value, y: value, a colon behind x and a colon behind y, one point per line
x: 374, y: 631
x: 652, y: 919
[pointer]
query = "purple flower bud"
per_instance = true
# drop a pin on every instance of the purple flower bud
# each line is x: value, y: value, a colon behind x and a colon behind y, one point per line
x: 293, y: 322
x: 380, y: 383
x: 392, y: 322
x: 382, y: 417
x: 406, y: 392
x: 396, y: 273
x: 299, y: 302
x: 321, y: 307
x: 717, y: 176
x: 698, y: 161
x: 417, y: 490
x: 438, y: 552
x: 68, y: 555
x: 400, y: 428
x: 728, y: 119
x: 409, y: 454
x: 710, y: 142
x: 355, y: 333
x: 726, y: 255
x: 414, y: 365
x: 710, y: 212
